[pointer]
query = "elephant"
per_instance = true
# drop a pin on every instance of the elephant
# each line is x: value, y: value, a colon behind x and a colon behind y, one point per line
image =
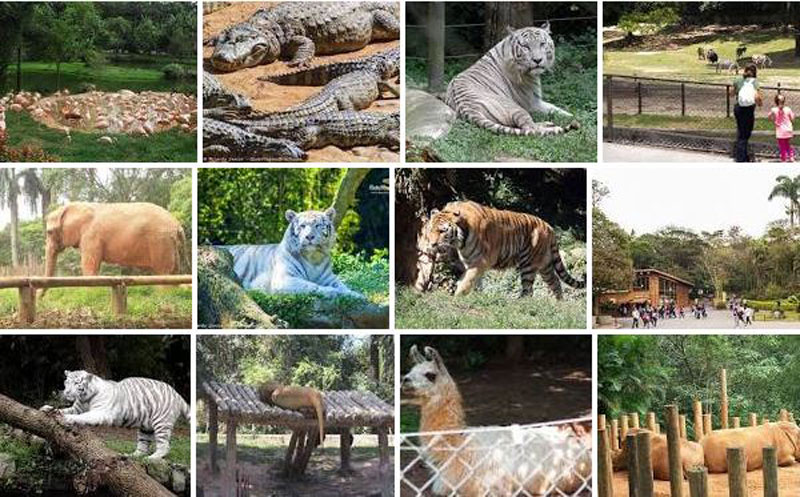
x: 135, y: 234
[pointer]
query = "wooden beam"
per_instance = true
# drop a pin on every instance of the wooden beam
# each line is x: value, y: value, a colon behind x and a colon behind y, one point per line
x: 604, y: 466
x: 697, y: 407
x: 119, y: 300
x: 723, y: 394
x: 383, y: 449
x: 91, y: 281
x: 674, y: 451
x: 27, y: 304
x: 345, y: 442
x: 737, y: 472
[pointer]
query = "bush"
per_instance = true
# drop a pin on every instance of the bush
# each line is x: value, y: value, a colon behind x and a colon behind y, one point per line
x: 174, y: 72
x: 86, y: 87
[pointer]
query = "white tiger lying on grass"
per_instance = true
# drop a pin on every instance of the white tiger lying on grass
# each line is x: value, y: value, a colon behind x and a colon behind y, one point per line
x: 502, y: 89
x: 152, y: 406
x: 301, y: 263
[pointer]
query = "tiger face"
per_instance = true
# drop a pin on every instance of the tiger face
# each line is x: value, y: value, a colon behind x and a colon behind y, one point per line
x: 311, y: 232
x: 532, y: 49
x: 77, y: 386
x: 441, y: 232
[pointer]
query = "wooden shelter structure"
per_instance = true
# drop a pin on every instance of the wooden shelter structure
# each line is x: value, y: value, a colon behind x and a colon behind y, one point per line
x: 344, y: 410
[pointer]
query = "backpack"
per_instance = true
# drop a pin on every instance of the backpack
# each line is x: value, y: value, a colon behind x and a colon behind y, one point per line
x: 747, y: 93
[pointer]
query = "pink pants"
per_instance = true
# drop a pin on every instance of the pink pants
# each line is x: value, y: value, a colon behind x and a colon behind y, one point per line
x: 785, y: 146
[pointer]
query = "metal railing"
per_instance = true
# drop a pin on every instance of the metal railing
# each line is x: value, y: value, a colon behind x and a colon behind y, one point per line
x: 548, y: 459
x: 684, y: 114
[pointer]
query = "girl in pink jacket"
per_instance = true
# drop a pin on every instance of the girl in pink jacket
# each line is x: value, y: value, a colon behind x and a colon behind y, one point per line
x: 783, y: 117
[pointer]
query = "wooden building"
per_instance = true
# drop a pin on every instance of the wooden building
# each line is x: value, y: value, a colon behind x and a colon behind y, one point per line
x: 653, y: 286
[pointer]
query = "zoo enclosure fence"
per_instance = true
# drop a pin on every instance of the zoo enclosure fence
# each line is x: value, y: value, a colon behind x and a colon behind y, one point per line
x: 418, y: 475
x: 690, y: 115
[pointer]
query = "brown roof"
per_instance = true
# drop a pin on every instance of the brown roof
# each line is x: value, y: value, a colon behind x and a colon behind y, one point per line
x: 666, y: 275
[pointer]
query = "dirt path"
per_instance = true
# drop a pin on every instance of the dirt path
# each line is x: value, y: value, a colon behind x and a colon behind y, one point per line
x: 267, y: 96
x: 788, y: 481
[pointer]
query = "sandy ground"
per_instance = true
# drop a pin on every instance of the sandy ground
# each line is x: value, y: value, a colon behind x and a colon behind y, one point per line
x: 788, y: 478
x: 267, y: 96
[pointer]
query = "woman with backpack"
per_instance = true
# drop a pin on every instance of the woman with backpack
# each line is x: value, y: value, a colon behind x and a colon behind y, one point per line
x: 745, y: 90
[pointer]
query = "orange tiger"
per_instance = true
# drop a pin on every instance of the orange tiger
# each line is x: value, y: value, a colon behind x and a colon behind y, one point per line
x: 487, y: 238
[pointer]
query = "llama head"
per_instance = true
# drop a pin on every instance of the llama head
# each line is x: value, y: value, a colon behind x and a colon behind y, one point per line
x: 427, y: 379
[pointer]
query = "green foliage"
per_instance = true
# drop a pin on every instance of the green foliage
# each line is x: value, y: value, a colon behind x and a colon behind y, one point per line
x: 309, y: 373
x: 649, y: 21
x: 179, y: 452
x: 295, y: 309
x: 174, y: 72
x: 612, y: 267
x: 180, y: 203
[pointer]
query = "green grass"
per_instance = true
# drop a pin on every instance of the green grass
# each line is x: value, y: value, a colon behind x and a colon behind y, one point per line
x: 144, y: 74
x: 169, y: 146
x: 572, y: 85
x: 180, y: 451
x: 716, y: 124
x: 148, y: 307
x: 683, y: 63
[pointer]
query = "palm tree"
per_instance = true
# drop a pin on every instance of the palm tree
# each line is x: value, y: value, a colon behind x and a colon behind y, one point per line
x: 9, y: 191
x: 788, y: 188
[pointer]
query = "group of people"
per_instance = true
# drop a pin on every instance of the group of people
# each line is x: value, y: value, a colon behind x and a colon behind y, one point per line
x: 746, y: 91
x: 742, y: 313
x: 647, y: 316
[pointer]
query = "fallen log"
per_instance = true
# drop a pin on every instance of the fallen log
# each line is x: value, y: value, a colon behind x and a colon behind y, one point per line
x: 104, y: 467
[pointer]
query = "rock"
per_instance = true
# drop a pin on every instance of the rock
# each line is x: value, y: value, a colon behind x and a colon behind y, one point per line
x: 15, y: 108
x: 427, y: 117
x: 127, y: 93
x: 7, y: 466
x: 101, y: 124
x: 21, y: 99
x: 106, y: 139
x: 149, y: 129
x: 159, y: 469
x: 178, y: 481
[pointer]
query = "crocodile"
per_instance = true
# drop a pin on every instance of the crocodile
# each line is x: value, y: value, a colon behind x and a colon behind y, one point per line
x: 223, y: 140
x: 299, y: 30
x: 385, y: 63
x: 216, y: 96
x: 343, y: 129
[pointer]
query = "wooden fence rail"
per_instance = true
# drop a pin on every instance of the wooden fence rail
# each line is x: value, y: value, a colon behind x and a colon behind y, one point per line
x: 28, y: 285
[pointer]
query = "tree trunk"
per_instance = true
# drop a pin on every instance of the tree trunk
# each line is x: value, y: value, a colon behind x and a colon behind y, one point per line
x: 346, y: 194
x: 92, y: 351
x: 19, y: 66
x: 374, y: 358
x: 435, y: 40
x: 58, y: 76
x: 515, y: 349
x: 105, y: 468
x: 503, y: 15
x: 13, y: 206
x: 45, y: 203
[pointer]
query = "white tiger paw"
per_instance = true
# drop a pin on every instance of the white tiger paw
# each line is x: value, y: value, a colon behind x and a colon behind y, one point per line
x: 47, y: 408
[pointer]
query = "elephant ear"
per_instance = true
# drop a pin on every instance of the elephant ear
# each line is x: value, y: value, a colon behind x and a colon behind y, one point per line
x: 74, y: 217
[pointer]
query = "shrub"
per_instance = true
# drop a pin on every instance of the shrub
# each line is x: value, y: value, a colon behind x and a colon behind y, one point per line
x: 86, y: 87
x: 174, y: 72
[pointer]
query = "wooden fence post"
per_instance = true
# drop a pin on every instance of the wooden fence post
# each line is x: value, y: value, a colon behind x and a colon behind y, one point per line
x: 791, y: 417
x: 634, y: 417
x: 682, y: 421
x: 27, y: 304
x: 601, y: 422
x: 674, y: 451
x: 632, y: 444
x: 697, y: 407
x: 783, y: 415
x: 683, y: 99
x: 230, y: 452
x: 707, y: 426
x: 623, y: 428
x: 610, y: 107
x: 651, y: 422
x: 213, y: 430
x: 639, y: 96
x: 737, y: 472
x: 737, y: 422
x: 119, y: 300
x: 614, y: 434
x: 765, y: 420
x: 604, y: 464
x: 698, y: 481
x: 645, y: 464
x: 723, y: 401
x: 770, y: 472
x: 727, y: 100
x: 753, y: 419
x: 383, y: 449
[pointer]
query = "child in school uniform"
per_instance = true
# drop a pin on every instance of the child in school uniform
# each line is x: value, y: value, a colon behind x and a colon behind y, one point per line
x: 783, y: 117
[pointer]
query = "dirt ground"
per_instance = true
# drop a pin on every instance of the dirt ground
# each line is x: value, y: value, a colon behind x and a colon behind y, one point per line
x: 267, y: 96
x: 788, y: 478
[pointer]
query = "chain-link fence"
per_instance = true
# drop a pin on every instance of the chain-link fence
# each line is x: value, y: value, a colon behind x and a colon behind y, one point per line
x: 549, y: 459
x: 684, y: 114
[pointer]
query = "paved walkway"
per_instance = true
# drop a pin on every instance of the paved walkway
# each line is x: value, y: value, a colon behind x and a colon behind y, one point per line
x: 615, y: 152
x: 716, y: 320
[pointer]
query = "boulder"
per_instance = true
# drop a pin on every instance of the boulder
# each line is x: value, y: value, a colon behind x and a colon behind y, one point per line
x: 427, y: 117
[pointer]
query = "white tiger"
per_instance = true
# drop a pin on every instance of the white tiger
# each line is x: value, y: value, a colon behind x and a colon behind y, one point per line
x: 301, y: 263
x: 152, y: 406
x: 502, y: 89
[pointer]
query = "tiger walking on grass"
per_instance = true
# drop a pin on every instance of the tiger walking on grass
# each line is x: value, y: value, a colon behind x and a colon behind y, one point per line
x: 487, y: 238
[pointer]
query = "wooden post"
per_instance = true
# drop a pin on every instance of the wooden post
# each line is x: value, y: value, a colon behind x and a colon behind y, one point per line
x: 651, y: 422
x: 610, y: 107
x: 783, y: 415
x: 312, y: 440
x: 601, y: 422
x: 435, y: 30
x: 634, y: 418
x: 632, y: 444
x: 697, y: 407
x: 770, y: 472
x: 674, y: 451
x: 765, y: 420
x: 727, y: 100
x: 723, y: 400
x: 737, y: 422
x: 119, y: 300
x: 383, y: 448
x: 791, y: 417
x: 345, y: 442
x: 27, y: 304
x: 683, y: 99
x: 737, y: 472
x: 623, y: 429
x: 707, y: 427
x: 639, y: 96
x: 753, y: 419
x: 614, y: 434
x: 645, y: 464
x: 604, y: 464
x: 302, y: 440
x: 230, y: 453
x: 213, y: 430
x: 682, y: 421
x: 698, y: 481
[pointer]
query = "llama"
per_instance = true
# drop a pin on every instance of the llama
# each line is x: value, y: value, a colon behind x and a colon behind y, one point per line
x: 491, y: 461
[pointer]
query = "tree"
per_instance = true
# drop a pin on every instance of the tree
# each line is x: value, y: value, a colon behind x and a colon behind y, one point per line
x: 788, y: 188
x: 346, y: 193
x: 502, y: 16
x: 434, y: 29
x: 612, y: 264
x: 9, y: 193
x: 145, y: 36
